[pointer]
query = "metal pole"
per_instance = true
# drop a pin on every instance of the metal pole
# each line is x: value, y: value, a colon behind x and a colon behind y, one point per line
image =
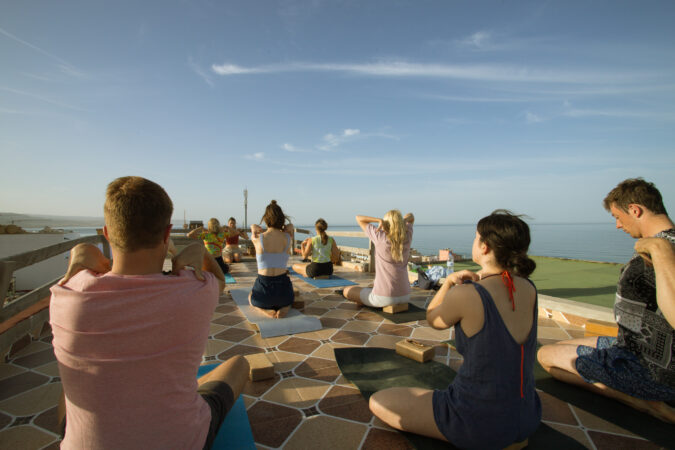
x: 245, y: 208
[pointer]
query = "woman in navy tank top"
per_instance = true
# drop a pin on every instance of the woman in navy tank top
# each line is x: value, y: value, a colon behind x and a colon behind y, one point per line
x: 492, y: 402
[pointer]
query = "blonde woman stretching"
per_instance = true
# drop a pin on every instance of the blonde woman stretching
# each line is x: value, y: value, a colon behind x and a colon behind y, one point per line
x: 213, y: 237
x: 392, y: 238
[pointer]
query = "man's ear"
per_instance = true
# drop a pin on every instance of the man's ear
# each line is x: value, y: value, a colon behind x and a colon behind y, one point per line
x: 167, y: 234
x: 484, y: 249
x: 636, y: 210
x: 105, y: 232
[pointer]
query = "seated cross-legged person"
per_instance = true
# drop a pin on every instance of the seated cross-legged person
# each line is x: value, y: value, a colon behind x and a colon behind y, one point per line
x: 129, y: 340
x: 272, y: 291
x: 492, y: 402
x: 392, y: 238
x: 324, y: 252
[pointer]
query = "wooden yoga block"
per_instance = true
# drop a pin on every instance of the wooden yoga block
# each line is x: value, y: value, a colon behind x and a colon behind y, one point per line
x: 397, y: 308
x: 600, y: 328
x: 260, y: 367
x: 415, y: 350
x: 298, y: 304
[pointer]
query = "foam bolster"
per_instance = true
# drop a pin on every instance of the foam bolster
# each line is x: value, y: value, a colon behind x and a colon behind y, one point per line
x: 261, y: 367
x: 393, y: 309
x: 415, y: 350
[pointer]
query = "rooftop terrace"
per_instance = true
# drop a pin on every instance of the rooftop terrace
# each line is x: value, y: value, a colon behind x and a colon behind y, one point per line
x: 308, y: 403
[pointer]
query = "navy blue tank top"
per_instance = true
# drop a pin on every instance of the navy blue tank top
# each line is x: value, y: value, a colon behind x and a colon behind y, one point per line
x: 492, y: 402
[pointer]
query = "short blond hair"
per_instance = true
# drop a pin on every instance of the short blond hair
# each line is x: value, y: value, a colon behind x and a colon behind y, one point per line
x: 214, y: 225
x: 137, y: 213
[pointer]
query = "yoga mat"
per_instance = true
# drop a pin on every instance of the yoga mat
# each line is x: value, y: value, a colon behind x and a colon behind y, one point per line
x: 608, y: 409
x: 235, y: 432
x: 333, y: 281
x: 294, y: 322
x: 373, y: 369
x: 412, y: 314
x: 229, y: 279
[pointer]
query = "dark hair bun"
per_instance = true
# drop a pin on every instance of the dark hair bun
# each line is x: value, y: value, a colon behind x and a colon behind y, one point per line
x: 521, y: 264
x: 273, y: 202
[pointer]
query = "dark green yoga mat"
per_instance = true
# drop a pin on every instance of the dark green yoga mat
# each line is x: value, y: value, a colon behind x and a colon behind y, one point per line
x: 412, y: 314
x: 374, y: 369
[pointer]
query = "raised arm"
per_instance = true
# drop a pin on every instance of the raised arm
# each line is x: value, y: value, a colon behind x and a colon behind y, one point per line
x: 256, y: 231
x: 363, y: 221
x: 449, y: 305
x: 85, y: 256
x: 242, y: 233
x: 662, y: 255
x: 194, y: 234
x: 409, y: 218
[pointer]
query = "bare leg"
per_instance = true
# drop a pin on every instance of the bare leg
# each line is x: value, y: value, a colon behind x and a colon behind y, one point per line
x: 227, y: 259
x: 234, y: 372
x: 237, y: 257
x: 560, y: 361
x: 61, y: 415
x: 282, y: 312
x: 353, y: 293
x: 407, y: 409
x: 268, y: 312
x: 301, y: 269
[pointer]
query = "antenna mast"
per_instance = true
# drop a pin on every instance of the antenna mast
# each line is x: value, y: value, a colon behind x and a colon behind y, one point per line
x: 245, y: 208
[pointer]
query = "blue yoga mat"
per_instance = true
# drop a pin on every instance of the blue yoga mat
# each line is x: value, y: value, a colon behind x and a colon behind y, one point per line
x: 333, y: 281
x: 235, y: 432
x: 229, y: 279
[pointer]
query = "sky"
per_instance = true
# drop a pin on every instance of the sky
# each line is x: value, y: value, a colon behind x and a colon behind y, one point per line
x: 448, y: 109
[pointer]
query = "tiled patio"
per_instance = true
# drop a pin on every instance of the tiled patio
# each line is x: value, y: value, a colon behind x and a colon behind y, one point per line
x: 308, y: 404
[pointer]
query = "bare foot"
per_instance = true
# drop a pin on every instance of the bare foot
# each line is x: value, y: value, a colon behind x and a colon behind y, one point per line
x: 282, y: 312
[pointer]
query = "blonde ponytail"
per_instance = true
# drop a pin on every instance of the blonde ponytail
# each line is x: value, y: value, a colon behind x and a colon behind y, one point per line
x: 396, y: 233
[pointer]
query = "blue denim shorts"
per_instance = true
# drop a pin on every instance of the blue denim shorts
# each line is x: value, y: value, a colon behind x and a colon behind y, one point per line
x: 621, y: 370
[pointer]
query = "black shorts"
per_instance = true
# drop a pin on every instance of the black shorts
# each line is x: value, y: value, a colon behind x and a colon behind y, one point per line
x: 318, y: 269
x: 272, y: 292
x: 220, y: 398
x: 222, y: 264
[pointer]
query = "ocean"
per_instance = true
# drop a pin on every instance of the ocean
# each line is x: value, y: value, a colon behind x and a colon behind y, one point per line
x: 585, y: 241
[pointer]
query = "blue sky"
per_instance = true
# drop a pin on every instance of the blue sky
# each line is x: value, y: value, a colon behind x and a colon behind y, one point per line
x: 449, y: 109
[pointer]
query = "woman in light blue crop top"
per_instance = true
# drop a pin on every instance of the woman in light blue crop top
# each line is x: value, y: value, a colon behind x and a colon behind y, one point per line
x: 272, y: 291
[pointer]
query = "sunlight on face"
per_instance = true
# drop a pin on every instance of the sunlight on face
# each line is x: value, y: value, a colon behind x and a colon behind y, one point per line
x: 475, y: 248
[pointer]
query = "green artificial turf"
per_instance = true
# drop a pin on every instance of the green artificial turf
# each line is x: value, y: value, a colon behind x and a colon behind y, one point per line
x: 582, y: 281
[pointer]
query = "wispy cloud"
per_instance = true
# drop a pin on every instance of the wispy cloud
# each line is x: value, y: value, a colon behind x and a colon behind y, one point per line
x: 64, y: 65
x: 41, y: 98
x: 331, y: 141
x: 475, y: 72
x: 531, y: 117
x: 460, y: 99
x: 259, y: 156
x: 196, y: 68
x: 477, y: 40
x: 293, y: 149
x: 618, y: 113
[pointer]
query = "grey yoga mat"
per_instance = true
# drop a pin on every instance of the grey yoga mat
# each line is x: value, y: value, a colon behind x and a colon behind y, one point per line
x: 294, y: 322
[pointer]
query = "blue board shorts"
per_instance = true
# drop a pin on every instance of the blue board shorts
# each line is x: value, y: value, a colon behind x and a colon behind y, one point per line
x: 619, y: 369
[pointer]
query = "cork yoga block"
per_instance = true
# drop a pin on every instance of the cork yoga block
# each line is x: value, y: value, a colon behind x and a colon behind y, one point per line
x: 393, y: 309
x: 600, y: 328
x: 260, y: 367
x: 415, y: 350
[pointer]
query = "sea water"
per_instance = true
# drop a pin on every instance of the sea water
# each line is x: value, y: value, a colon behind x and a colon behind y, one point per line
x: 586, y: 241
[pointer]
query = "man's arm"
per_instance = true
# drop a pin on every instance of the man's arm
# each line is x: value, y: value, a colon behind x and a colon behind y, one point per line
x: 662, y: 255
x: 85, y: 256
x: 196, y: 256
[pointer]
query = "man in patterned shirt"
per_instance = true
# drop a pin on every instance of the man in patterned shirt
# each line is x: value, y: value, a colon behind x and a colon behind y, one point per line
x: 637, y: 366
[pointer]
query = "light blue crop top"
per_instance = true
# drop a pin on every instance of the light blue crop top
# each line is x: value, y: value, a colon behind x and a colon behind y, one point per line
x: 273, y: 260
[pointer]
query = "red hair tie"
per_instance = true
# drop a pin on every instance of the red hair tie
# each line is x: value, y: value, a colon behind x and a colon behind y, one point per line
x: 508, y: 282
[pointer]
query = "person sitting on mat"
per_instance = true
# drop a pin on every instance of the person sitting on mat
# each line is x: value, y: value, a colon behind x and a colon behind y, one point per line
x: 392, y: 238
x: 232, y: 252
x: 213, y: 239
x: 129, y: 340
x: 324, y: 252
x: 272, y: 291
x: 492, y: 402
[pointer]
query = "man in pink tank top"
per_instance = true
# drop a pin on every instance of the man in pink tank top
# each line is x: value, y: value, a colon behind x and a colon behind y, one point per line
x: 129, y: 340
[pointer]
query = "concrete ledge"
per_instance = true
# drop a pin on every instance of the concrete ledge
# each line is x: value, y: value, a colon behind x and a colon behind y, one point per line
x: 577, y: 308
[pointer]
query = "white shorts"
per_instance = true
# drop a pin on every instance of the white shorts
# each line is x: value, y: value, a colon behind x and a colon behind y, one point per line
x: 380, y: 301
x: 231, y: 251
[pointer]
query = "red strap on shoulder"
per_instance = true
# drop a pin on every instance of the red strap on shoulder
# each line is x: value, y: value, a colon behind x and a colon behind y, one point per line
x: 508, y: 282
